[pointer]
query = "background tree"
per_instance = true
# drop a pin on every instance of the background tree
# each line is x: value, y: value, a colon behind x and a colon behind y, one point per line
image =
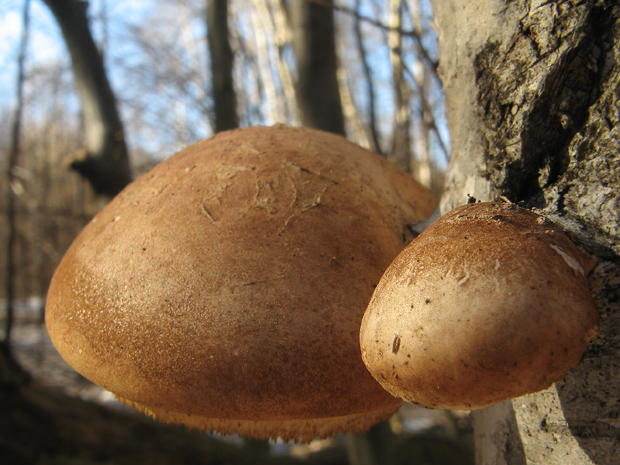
x: 224, y: 97
x: 401, y: 149
x: 14, y: 151
x: 104, y: 161
x: 318, y: 92
x: 532, y: 94
x: 159, y: 61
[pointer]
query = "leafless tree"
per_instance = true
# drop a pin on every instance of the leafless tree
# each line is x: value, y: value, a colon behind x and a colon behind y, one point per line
x: 14, y: 152
x: 318, y: 93
x: 104, y: 161
x: 401, y: 152
x: 224, y: 97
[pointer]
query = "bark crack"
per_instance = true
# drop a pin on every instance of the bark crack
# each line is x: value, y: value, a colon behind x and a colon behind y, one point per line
x: 535, y: 93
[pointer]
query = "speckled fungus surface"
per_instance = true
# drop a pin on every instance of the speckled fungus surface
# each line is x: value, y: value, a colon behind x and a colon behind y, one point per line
x: 490, y: 302
x: 224, y: 289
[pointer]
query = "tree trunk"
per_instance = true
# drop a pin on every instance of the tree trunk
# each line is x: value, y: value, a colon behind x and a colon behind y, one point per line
x: 104, y: 161
x: 368, y: 79
x: 318, y: 95
x: 532, y: 98
x: 224, y: 97
x: 401, y: 152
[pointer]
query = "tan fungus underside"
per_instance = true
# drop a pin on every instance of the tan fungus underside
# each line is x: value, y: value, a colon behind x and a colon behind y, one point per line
x: 287, y: 430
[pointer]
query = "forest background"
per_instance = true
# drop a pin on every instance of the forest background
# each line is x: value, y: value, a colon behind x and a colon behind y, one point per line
x: 532, y: 97
x: 156, y: 56
x: 164, y: 66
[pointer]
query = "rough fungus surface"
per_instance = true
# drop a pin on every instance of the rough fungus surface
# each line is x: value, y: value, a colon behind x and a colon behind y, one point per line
x: 229, y: 282
x: 489, y: 303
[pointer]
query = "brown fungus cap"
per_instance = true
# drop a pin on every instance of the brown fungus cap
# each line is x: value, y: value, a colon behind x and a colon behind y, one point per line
x: 490, y: 302
x: 224, y: 289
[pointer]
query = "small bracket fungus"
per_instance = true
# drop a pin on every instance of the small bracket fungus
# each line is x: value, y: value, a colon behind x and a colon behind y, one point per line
x: 490, y: 302
x: 224, y: 289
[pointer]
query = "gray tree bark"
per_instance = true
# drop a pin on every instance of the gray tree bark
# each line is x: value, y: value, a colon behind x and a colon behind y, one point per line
x: 104, y: 161
x: 222, y: 59
x: 532, y: 98
x: 318, y: 95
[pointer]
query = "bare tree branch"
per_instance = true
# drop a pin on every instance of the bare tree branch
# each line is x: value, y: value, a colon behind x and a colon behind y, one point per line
x: 428, y: 110
x: 388, y: 28
x: 104, y: 161
x: 401, y: 140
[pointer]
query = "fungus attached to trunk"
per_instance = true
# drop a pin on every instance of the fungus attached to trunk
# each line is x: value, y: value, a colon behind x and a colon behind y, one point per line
x: 490, y: 302
x: 224, y: 289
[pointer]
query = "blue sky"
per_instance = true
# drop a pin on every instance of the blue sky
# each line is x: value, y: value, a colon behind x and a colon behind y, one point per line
x: 46, y: 47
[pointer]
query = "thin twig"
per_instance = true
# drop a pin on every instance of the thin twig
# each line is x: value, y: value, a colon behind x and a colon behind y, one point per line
x: 427, y: 109
x: 378, y: 24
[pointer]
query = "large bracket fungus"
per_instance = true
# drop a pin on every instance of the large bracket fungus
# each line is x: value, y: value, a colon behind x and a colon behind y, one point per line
x: 225, y: 288
x: 490, y: 302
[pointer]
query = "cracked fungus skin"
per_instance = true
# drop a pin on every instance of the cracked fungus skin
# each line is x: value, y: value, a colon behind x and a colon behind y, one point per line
x: 224, y: 289
x: 490, y: 302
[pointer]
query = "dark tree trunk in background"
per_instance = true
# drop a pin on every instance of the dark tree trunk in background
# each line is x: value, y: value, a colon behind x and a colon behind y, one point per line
x: 532, y: 97
x: 224, y: 97
x: 105, y: 161
x: 318, y: 93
